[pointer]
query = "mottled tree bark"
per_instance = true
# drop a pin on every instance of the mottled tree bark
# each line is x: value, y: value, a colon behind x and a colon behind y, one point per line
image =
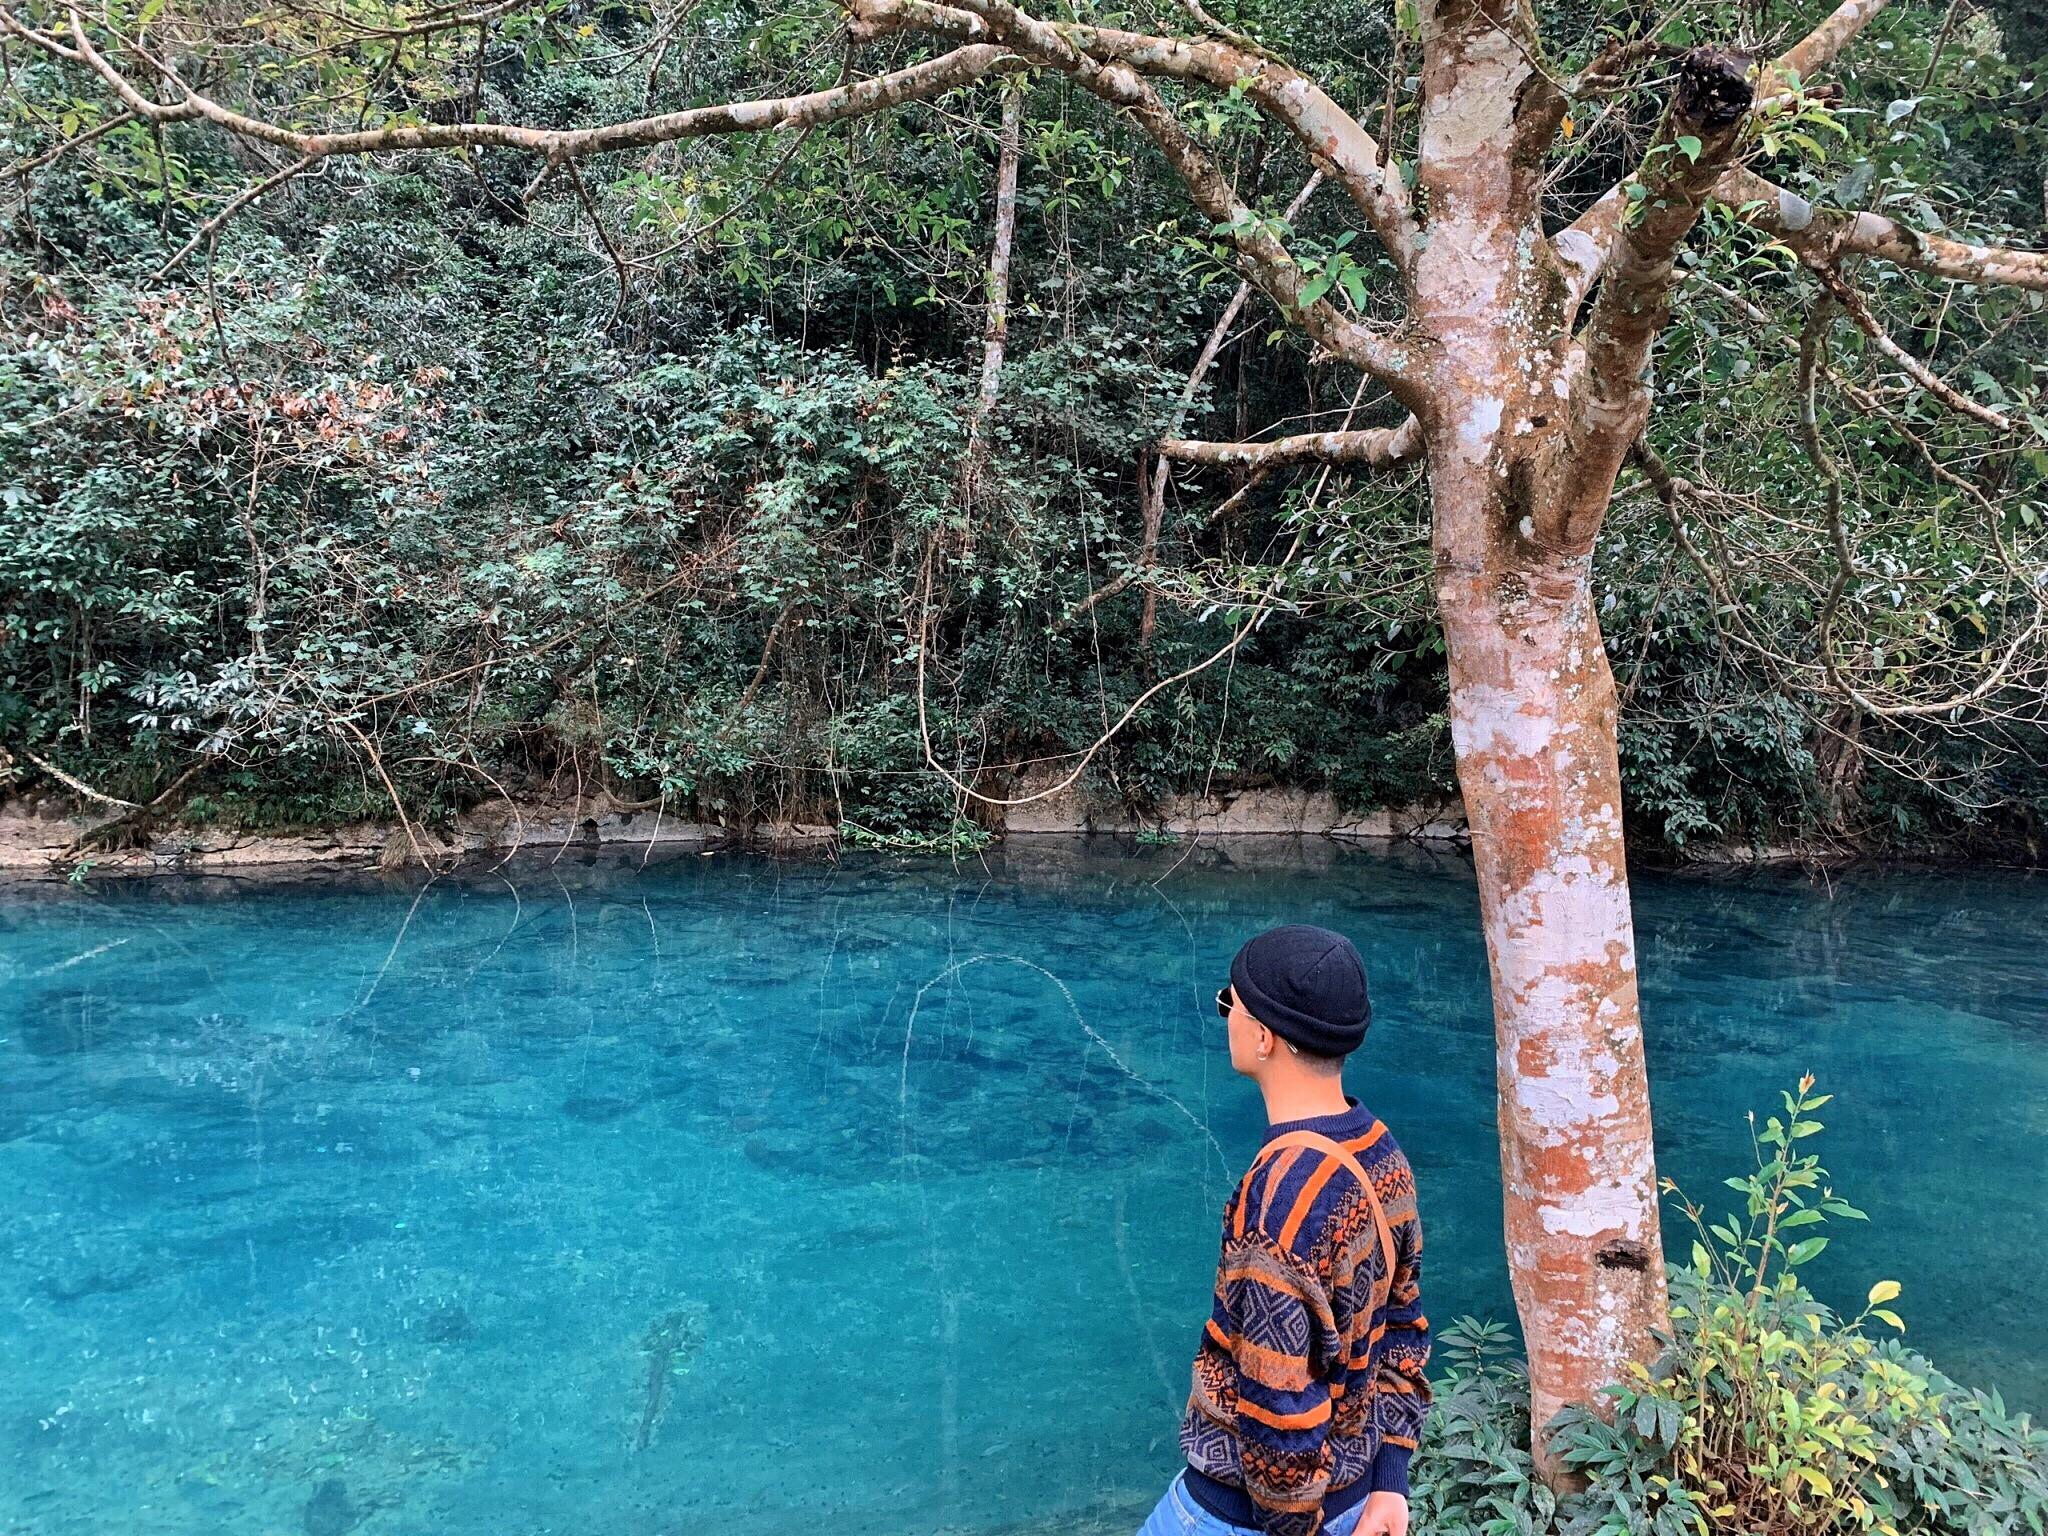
x: 1533, y: 723
x: 995, y: 333
x: 1532, y: 719
x: 995, y: 326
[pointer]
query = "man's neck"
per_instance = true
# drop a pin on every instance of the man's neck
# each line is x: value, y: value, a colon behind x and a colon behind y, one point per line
x: 1303, y: 1099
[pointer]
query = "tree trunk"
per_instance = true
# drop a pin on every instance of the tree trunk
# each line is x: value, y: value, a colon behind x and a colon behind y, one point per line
x: 1533, y: 714
x: 995, y: 333
x: 1532, y: 721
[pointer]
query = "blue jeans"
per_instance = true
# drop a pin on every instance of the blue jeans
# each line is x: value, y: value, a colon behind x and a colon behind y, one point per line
x: 1179, y: 1515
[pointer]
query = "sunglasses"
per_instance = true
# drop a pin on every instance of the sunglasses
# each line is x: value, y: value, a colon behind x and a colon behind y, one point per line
x: 1226, y: 999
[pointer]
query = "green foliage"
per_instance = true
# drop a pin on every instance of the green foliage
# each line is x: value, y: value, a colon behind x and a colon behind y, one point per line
x: 1765, y: 1413
x: 392, y: 478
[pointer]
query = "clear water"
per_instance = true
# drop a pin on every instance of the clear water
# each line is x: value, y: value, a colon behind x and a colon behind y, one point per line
x: 750, y: 1198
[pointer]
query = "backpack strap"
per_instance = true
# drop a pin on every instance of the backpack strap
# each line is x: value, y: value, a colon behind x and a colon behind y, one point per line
x: 1315, y: 1141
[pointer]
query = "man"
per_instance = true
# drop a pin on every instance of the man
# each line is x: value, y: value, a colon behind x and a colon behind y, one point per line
x: 1308, y: 1393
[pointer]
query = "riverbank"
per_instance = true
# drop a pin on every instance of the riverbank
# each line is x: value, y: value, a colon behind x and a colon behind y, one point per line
x: 58, y: 837
x: 54, y: 835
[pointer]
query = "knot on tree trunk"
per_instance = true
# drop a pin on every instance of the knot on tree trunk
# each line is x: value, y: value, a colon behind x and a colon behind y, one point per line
x: 1715, y: 88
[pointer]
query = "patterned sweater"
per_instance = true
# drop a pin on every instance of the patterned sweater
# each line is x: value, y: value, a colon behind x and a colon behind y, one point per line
x: 1309, y: 1387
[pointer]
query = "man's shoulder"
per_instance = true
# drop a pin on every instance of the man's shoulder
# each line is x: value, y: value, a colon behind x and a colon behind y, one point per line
x: 1292, y: 1195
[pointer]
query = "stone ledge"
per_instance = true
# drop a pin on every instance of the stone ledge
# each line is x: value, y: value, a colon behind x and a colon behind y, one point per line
x: 37, y: 836
x: 1234, y: 813
x: 34, y: 840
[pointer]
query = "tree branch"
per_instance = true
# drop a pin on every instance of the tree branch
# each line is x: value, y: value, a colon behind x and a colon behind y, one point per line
x: 1822, y: 46
x: 619, y: 267
x: 1112, y: 79
x: 10, y: 23
x: 24, y: 168
x: 1266, y: 260
x: 1155, y: 490
x: 1583, y: 246
x: 1326, y: 132
x: 862, y: 98
x: 234, y: 206
x: 1858, y: 311
x: 1375, y: 448
x: 1819, y: 234
x: 1612, y: 398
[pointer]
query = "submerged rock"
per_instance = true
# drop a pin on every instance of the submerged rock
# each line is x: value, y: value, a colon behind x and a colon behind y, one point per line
x: 598, y: 1109
x: 448, y: 1325
x: 71, y: 1282
x: 331, y: 1512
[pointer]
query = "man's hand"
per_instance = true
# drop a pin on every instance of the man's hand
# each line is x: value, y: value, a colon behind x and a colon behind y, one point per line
x: 1385, y: 1514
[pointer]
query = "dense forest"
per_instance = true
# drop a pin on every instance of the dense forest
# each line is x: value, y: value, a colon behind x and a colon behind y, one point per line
x: 445, y: 478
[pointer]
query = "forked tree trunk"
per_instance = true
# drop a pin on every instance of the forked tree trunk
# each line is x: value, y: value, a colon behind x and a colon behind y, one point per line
x: 1533, y: 725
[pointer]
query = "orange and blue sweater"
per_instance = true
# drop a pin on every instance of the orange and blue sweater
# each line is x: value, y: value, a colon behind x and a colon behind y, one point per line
x: 1309, y: 1391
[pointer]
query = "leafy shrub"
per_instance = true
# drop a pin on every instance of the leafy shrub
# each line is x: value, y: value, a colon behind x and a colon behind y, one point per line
x: 1765, y: 1413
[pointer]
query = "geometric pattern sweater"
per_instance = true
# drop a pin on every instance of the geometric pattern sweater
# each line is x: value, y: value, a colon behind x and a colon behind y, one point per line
x: 1309, y: 1381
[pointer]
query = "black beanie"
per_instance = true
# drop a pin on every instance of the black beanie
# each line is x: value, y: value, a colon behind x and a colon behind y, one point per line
x: 1307, y: 985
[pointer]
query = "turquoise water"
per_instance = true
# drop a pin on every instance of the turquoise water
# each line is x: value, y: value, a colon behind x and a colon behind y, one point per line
x: 880, y: 1198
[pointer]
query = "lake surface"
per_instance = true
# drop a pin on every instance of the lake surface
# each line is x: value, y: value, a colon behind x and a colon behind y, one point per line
x: 880, y: 1198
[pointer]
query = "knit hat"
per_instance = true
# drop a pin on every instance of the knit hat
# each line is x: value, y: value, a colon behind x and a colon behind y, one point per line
x: 1307, y: 985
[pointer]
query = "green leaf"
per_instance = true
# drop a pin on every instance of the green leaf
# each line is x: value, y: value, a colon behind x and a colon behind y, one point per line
x: 1801, y: 1253
x: 1691, y: 146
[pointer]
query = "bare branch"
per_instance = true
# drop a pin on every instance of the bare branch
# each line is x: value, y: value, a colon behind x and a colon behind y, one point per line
x: 1325, y: 131
x: 1853, y: 305
x: 1823, y: 45
x: 862, y: 98
x: 234, y: 205
x: 12, y: 24
x: 1582, y: 246
x: 1266, y: 261
x: 1115, y: 81
x: 23, y: 169
x: 1155, y: 490
x: 604, y: 238
x: 1374, y: 448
